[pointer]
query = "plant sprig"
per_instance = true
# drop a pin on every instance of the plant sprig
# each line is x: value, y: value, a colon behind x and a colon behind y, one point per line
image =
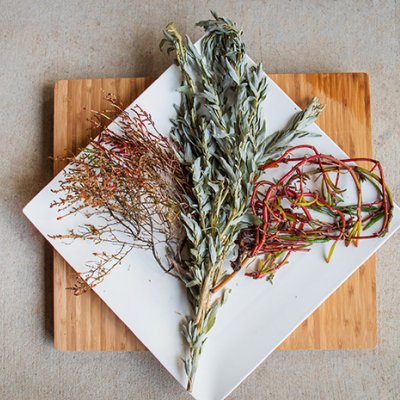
x: 291, y: 207
x: 130, y: 185
x: 220, y: 139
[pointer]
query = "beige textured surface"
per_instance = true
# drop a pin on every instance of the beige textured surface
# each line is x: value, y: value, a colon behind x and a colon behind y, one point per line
x: 44, y: 41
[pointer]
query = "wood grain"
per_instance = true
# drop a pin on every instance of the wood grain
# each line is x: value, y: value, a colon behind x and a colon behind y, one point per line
x: 346, y: 320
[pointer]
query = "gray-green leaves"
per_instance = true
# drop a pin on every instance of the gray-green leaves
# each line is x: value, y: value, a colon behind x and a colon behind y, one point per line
x: 279, y: 141
x: 219, y: 136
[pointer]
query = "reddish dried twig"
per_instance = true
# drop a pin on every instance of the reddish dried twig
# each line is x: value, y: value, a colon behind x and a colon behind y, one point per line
x: 290, y: 209
x: 129, y: 179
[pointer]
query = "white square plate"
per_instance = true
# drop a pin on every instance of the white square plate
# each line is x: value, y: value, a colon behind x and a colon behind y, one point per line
x: 257, y: 316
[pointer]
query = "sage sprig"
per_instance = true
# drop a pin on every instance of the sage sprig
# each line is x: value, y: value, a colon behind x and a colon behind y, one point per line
x: 219, y: 137
x: 296, y: 129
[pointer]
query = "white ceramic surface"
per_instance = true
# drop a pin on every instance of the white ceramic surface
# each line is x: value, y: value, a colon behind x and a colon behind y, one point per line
x: 257, y: 317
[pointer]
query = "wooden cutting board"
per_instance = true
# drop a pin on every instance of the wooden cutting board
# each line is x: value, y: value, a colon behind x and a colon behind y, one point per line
x: 346, y: 320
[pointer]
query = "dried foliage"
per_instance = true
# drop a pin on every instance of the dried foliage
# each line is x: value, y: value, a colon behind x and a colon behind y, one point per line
x: 290, y: 209
x: 220, y: 140
x: 130, y: 183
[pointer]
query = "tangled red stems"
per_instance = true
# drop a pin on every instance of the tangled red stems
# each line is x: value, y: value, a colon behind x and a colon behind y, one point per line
x: 289, y: 209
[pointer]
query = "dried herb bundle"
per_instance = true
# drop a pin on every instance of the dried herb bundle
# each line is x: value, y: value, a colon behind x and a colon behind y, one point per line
x: 291, y: 208
x: 220, y: 140
x: 131, y: 185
